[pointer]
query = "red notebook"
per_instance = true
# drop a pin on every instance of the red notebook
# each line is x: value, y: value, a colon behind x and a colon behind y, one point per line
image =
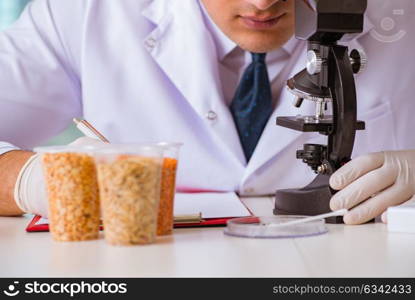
x: 191, y: 210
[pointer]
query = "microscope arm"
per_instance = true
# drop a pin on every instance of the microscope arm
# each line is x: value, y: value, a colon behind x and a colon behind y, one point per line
x: 343, y: 89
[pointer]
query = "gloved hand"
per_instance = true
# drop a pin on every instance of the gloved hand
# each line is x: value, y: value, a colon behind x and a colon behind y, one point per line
x: 371, y: 183
x: 30, y: 191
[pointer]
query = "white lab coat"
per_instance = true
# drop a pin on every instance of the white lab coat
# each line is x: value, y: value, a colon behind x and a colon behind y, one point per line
x: 143, y: 70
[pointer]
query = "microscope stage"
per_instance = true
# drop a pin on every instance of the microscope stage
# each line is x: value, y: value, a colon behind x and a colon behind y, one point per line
x: 311, y: 124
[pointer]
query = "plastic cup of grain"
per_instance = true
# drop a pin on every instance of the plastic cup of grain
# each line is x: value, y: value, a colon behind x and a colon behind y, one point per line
x: 129, y: 178
x: 165, y: 218
x: 72, y: 191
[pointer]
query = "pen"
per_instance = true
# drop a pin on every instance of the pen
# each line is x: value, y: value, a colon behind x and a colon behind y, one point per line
x: 193, y: 218
x: 86, y: 128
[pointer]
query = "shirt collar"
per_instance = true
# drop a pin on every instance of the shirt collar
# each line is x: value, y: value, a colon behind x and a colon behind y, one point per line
x: 224, y: 45
x: 290, y: 46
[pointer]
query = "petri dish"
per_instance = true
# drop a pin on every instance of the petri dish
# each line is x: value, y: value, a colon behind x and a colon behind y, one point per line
x: 271, y: 227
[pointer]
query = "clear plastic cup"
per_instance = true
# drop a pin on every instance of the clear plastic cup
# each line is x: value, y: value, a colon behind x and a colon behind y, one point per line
x: 129, y: 178
x: 165, y: 218
x: 72, y: 190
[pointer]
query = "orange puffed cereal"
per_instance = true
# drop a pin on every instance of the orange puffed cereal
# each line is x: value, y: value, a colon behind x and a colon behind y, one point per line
x: 72, y: 189
x: 168, y: 187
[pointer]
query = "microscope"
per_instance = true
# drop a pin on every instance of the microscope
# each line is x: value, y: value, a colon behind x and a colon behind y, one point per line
x: 328, y: 80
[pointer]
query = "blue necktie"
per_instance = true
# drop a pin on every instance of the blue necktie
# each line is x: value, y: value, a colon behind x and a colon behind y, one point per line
x: 252, y: 105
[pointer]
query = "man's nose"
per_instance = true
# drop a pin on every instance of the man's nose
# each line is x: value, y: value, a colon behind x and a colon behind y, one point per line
x: 263, y: 4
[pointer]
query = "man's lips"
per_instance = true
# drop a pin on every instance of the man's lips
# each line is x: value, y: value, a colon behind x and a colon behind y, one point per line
x: 261, y: 22
x: 261, y: 19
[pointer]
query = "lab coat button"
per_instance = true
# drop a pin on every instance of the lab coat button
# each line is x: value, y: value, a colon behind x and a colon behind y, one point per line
x: 211, y: 115
x: 151, y: 43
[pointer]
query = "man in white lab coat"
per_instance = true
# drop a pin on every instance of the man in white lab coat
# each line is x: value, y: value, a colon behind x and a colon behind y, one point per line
x: 146, y: 70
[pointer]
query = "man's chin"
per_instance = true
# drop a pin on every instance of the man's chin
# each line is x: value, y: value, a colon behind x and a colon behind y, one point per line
x: 260, y: 46
x: 261, y: 42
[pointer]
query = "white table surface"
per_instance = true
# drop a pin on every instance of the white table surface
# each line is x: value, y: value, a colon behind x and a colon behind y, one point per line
x: 346, y: 251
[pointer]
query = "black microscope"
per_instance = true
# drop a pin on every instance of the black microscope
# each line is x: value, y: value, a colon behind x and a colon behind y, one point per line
x: 327, y: 80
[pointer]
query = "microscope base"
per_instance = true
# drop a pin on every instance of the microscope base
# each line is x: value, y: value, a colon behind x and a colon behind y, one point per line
x: 311, y: 200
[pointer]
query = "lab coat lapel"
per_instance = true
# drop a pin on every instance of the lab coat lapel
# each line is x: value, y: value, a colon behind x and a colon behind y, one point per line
x: 182, y: 46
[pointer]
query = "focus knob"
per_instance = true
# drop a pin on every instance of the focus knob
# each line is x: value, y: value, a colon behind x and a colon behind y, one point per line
x: 358, y: 60
x: 314, y: 62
